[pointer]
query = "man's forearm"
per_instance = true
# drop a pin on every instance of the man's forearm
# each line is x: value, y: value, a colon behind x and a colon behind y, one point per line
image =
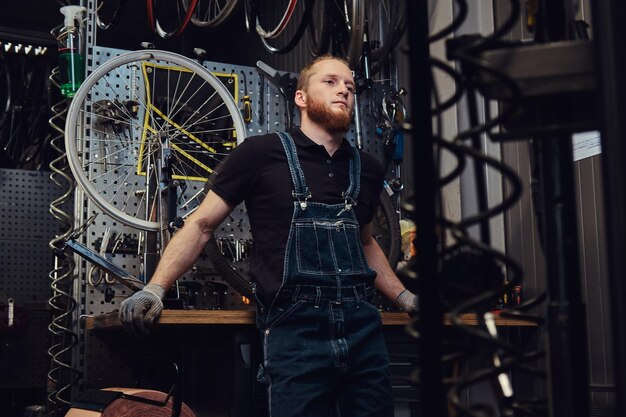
x: 184, y: 248
x: 180, y: 254
x: 387, y: 281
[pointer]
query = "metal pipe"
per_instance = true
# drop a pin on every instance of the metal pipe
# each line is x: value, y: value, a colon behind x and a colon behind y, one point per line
x: 430, y: 324
x: 610, y: 52
x: 566, y: 323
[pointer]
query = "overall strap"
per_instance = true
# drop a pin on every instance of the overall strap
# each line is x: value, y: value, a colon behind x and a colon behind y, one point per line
x: 301, y: 192
x: 352, y: 192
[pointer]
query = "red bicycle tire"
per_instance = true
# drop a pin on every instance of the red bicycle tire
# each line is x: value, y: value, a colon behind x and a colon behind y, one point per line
x: 281, y: 25
x: 158, y: 29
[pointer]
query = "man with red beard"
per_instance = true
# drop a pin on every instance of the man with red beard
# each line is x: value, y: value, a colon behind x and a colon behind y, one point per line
x: 310, y: 198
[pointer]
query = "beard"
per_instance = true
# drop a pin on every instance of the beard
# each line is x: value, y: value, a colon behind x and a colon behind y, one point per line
x: 335, y: 121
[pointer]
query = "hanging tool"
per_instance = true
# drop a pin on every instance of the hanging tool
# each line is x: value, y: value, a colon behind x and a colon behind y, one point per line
x: 261, y: 112
x: 119, y: 274
x: 247, y: 106
x: 11, y: 313
x: 393, y: 114
x: 286, y: 84
x: 363, y: 82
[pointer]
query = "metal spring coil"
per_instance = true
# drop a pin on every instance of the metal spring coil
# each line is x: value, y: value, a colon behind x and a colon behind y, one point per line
x: 62, y: 375
x: 481, y: 343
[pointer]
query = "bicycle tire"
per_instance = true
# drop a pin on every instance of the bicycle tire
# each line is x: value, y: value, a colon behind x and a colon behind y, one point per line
x: 386, y: 231
x: 357, y: 27
x: 348, y: 30
x: 294, y: 38
x: 319, y: 28
x: 249, y: 14
x: 280, y: 25
x: 137, y: 110
x: 5, y: 92
x: 386, y: 26
x: 181, y: 15
x: 212, y: 13
x: 27, y: 115
x: 114, y: 16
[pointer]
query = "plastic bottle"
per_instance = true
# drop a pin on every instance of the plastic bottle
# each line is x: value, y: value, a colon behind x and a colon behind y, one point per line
x: 71, y: 62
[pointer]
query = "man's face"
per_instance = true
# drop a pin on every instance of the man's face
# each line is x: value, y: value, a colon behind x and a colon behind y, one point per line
x: 330, y: 95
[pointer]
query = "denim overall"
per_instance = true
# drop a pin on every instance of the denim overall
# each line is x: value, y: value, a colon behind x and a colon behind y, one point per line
x: 324, y: 352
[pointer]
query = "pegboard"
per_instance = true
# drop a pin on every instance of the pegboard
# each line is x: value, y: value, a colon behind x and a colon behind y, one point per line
x: 269, y: 113
x: 105, y: 296
x: 26, y: 227
x: 24, y: 206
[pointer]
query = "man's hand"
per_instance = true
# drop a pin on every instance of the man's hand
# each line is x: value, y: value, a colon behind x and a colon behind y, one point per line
x: 139, y: 311
x: 407, y: 301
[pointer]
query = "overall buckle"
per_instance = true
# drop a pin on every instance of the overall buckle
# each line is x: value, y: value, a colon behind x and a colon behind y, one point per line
x: 348, y: 204
x: 303, y: 202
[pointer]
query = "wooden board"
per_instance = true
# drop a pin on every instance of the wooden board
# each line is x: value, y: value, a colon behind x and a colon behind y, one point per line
x: 247, y: 317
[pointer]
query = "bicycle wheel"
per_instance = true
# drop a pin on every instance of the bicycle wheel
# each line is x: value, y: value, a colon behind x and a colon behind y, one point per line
x: 5, y: 92
x: 145, y: 120
x: 212, y: 13
x: 386, y: 22
x: 228, y: 248
x: 319, y: 28
x: 386, y: 229
x: 293, y: 30
x: 27, y: 108
x: 108, y: 12
x: 348, y: 29
x: 169, y: 18
x: 275, y: 17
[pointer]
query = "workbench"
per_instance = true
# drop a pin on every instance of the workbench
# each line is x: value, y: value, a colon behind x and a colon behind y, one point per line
x: 247, y: 317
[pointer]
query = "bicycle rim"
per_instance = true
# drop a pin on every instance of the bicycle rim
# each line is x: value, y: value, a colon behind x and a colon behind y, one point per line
x: 386, y: 229
x: 248, y: 14
x: 108, y: 13
x: 386, y: 25
x: 350, y: 24
x: 5, y: 92
x: 274, y: 17
x: 318, y: 29
x: 170, y: 17
x: 293, y: 32
x: 212, y: 13
x: 135, y: 116
x: 27, y: 108
x: 222, y: 253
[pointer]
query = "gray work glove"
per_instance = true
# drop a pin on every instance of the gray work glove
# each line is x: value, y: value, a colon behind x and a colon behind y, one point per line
x: 407, y: 301
x: 139, y: 311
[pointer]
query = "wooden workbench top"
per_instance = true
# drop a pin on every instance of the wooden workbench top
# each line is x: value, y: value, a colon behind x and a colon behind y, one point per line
x: 247, y: 317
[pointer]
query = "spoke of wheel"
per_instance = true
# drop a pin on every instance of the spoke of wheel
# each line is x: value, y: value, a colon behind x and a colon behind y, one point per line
x: 212, y: 13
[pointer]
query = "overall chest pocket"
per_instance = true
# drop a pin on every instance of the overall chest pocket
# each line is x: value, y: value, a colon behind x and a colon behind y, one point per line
x: 329, y: 247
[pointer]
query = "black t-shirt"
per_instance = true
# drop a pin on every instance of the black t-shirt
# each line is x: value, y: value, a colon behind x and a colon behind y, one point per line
x: 257, y: 172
